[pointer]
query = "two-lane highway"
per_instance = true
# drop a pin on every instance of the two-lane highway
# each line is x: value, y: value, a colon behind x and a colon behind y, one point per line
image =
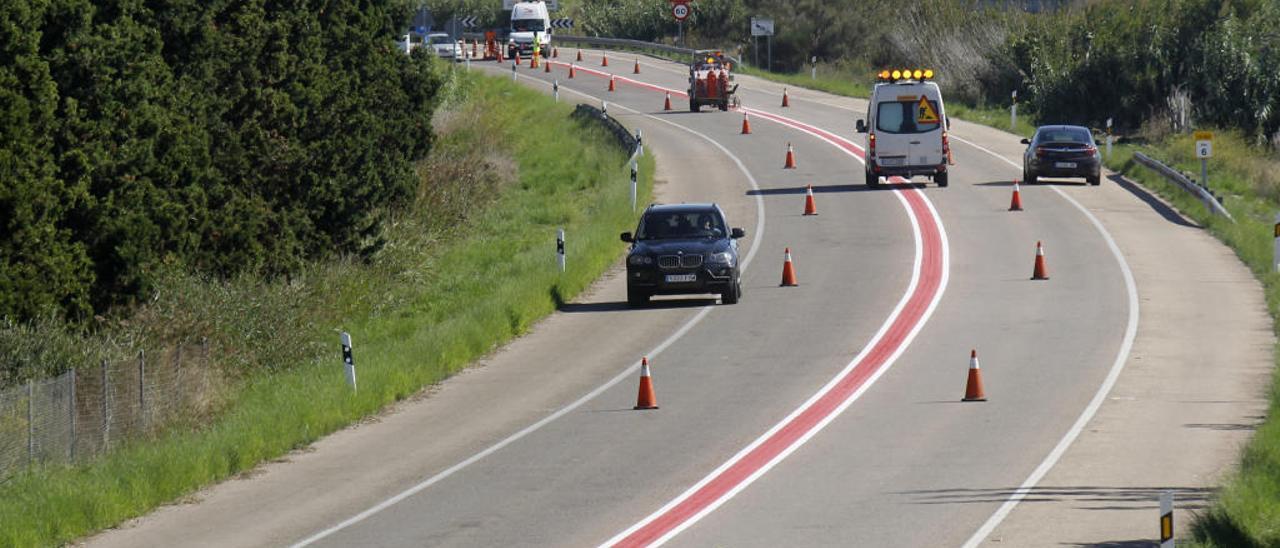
x: 824, y: 414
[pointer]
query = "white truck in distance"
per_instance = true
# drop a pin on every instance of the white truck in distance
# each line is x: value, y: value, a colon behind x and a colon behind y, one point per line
x: 529, y: 21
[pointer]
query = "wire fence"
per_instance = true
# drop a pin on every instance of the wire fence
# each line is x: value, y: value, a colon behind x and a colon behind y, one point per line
x: 86, y: 411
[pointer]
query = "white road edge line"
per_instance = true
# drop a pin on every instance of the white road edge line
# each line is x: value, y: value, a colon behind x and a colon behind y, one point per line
x: 888, y: 364
x: 755, y: 246
x: 1131, y: 331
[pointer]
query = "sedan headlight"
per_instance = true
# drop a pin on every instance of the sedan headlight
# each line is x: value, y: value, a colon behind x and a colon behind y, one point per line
x: 722, y: 258
x: 639, y: 260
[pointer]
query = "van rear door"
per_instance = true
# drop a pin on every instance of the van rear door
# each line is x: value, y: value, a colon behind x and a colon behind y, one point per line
x: 909, y: 131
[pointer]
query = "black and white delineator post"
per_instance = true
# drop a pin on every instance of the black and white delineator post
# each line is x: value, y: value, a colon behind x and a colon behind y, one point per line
x: 604, y: 107
x: 639, y: 143
x: 1276, y: 246
x: 560, y: 248
x: 513, y: 72
x: 348, y: 361
x: 635, y: 174
x: 555, y: 89
x: 1166, y: 519
x: 1108, y: 138
x: 1013, y: 112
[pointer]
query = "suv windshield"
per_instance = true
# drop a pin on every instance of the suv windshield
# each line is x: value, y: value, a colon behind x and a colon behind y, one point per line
x: 439, y: 39
x: 682, y: 225
x: 527, y: 25
x: 906, y: 117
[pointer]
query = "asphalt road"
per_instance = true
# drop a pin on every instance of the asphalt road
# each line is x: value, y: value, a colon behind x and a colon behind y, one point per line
x: 824, y: 414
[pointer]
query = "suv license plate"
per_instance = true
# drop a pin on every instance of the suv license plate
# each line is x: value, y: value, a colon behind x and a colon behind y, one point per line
x: 677, y: 278
x: 1064, y: 164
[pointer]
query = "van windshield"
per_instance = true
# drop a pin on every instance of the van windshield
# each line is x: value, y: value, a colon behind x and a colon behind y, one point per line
x: 527, y: 25
x: 907, y: 117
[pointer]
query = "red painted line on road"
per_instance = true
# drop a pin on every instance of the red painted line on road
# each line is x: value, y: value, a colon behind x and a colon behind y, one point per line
x: 786, y: 437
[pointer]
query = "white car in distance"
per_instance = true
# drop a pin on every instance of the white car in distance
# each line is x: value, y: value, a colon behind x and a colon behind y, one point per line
x: 442, y: 45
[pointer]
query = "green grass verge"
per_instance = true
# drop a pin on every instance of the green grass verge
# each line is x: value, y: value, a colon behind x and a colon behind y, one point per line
x: 1246, y: 512
x: 436, y: 300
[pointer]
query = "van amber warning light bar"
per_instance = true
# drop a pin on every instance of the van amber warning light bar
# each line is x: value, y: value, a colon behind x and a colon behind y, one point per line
x: 905, y: 74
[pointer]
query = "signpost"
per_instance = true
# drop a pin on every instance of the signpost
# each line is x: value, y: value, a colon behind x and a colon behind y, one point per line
x: 1204, y: 150
x: 763, y: 27
x: 680, y: 10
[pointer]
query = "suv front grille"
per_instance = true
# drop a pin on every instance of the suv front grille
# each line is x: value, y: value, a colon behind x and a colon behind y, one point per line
x: 680, y: 261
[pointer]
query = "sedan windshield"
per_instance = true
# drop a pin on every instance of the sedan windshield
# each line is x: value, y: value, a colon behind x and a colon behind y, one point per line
x: 684, y: 225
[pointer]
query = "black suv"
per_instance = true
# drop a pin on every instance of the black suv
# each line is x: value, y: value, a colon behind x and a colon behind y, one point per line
x: 681, y: 249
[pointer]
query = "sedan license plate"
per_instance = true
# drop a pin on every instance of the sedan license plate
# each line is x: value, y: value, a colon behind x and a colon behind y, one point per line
x: 1067, y: 165
x: 677, y: 278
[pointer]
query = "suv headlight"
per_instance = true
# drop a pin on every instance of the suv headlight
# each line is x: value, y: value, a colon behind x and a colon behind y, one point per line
x: 639, y: 260
x: 721, y: 258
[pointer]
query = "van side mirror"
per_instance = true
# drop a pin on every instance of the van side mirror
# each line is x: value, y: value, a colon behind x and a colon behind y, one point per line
x: 737, y: 233
x: 626, y: 237
x: 1025, y: 141
x: 862, y: 126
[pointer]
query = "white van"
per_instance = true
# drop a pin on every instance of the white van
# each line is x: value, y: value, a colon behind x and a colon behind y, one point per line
x: 529, y: 21
x: 906, y: 128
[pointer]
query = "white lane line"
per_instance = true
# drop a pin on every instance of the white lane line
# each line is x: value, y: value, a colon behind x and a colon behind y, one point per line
x: 629, y: 371
x: 1131, y: 332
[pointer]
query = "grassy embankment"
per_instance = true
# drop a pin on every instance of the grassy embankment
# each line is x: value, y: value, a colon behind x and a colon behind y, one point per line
x: 446, y: 290
x: 1247, y: 510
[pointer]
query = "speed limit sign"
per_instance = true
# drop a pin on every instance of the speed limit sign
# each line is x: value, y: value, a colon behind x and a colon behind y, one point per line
x: 680, y: 10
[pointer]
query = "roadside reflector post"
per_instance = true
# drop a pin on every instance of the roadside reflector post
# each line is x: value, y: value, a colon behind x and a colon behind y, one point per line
x: 513, y: 72
x: 555, y: 89
x: 560, y: 248
x: 348, y: 361
x: 1013, y: 112
x: 1276, y: 255
x: 1108, y: 138
x: 1166, y: 519
x: 635, y: 174
x: 604, y: 107
x: 813, y: 74
x: 639, y: 143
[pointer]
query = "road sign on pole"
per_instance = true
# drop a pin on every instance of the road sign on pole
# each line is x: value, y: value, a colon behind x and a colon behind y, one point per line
x: 680, y: 10
x: 1204, y: 150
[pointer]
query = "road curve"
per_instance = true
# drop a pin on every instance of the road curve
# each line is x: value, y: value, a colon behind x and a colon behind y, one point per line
x: 906, y: 464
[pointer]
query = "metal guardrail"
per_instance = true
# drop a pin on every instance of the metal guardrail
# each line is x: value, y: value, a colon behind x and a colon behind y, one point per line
x: 1206, y: 196
x: 625, y: 139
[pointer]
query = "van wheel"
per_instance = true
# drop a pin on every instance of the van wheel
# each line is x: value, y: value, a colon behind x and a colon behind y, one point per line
x: 941, y: 179
x: 873, y: 180
x: 694, y: 106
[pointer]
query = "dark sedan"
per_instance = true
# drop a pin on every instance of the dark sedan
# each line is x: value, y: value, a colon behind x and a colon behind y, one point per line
x: 683, y: 249
x: 1062, y: 151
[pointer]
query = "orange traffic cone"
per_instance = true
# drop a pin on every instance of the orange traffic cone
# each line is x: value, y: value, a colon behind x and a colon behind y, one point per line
x: 548, y: 65
x: 1015, y: 204
x: 555, y: 52
x: 571, y: 71
x: 1039, y: 273
x: 474, y: 45
x: 637, y: 69
x: 746, y: 125
x: 604, y: 60
x: 533, y: 61
x: 785, y: 102
x: 973, y: 388
x: 667, y: 104
x: 611, y: 85
x: 791, y: 158
x: 517, y: 61
x: 788, y: 271
x: 810, y: 206
x: 645, y: 399
x: 500, y: 59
